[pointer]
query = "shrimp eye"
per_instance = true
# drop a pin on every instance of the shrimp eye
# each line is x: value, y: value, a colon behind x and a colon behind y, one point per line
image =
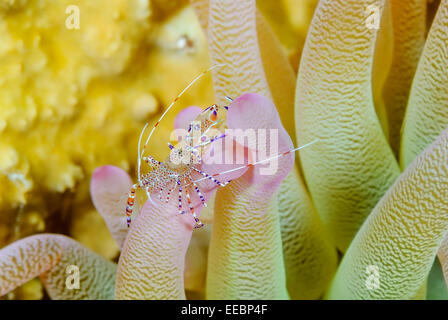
x: 213, y: 115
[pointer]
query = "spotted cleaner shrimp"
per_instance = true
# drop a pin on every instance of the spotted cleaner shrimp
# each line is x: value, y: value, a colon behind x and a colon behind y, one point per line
x: 184, y: 160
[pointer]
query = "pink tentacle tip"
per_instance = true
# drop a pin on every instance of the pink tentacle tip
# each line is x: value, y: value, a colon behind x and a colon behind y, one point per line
x: 103, y: 171
x: 186, y: 116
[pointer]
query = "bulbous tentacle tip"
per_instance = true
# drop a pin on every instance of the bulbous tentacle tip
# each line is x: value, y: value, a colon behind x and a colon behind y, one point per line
x: 186, y: 116
x: 103, y: 171
x: 109, y: 188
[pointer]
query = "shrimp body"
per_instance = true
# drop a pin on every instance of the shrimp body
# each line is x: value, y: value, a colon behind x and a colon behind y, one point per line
x: 185, y: 159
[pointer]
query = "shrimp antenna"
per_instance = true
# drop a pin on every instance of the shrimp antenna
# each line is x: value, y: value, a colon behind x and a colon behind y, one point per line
x: 140, y: 153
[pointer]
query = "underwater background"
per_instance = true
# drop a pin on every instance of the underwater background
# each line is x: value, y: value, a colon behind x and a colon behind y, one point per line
x: 362, y: 215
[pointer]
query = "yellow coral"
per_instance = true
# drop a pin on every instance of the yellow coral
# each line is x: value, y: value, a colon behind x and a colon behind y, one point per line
x: 46, y: 74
